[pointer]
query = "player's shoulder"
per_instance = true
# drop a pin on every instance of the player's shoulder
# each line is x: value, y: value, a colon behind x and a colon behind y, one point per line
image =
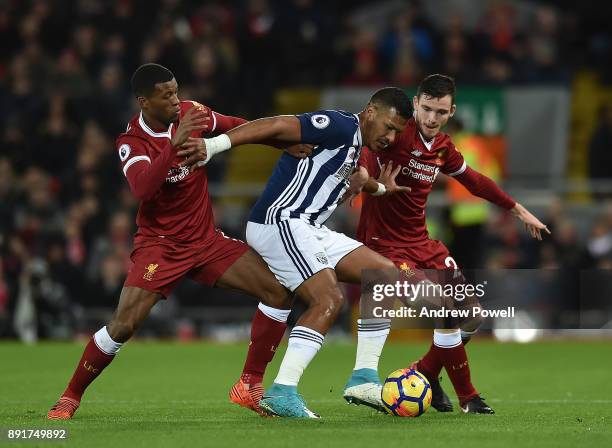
x: 133, y: 135
x: 443, y: 139
x: 185, y: 105
x: 132, y: 130
x: 446, y: 150
x: 444, y: 144
x: 334, y: 120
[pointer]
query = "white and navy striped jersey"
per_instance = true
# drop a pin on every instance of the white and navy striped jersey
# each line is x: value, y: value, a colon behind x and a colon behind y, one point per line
x: 310, y: 188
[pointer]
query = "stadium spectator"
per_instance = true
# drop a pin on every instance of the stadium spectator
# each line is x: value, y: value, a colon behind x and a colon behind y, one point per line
x: 600, y: 154
x: 62, y: 98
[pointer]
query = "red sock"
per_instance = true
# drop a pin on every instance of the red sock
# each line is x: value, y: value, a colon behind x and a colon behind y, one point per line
x: 90, y: 366
x: 266, y: 334
x: 430, y: 365
x: 456, y: 364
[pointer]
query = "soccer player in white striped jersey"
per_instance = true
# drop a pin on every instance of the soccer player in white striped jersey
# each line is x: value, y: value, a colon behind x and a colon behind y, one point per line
x: 286, y: 226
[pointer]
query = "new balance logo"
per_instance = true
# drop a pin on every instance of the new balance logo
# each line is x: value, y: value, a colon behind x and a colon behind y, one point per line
x: 416, y: 153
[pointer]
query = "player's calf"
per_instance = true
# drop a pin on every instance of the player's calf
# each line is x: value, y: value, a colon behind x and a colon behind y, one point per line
x: 98, y: 354
x: 134, y: 306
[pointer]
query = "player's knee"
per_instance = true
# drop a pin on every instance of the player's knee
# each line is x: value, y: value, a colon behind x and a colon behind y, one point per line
x: 274, y: 295
x: 331, y: 304
x: 121, y: 331
x: 385, y: 263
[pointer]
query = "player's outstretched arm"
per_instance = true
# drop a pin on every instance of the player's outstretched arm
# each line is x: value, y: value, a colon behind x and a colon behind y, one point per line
x: 282, y: 128
x: 484, y: 187
x: 532, y: 224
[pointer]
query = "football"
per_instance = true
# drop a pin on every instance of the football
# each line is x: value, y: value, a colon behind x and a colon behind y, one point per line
x: 406, y: 393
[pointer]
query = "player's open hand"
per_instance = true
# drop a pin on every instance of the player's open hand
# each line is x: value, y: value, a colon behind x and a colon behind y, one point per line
x: 300, y: 151
x: 194, y: 151
x: 194, y: 120
x: 387, y: 178
x: 532, y: 224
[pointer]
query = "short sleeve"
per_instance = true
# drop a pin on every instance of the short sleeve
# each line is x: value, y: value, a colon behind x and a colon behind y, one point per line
x: 322, y: 126
x: 454, y: 163
x: 131, y: 150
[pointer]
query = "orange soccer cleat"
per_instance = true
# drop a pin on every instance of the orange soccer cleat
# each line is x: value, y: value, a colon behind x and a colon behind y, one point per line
x: 247, y: 395
x: 64, y: 409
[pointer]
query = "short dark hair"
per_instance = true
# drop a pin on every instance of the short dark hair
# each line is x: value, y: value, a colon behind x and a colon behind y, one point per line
x: 437, y: 86
x: 393, y: 97
x: 146, y: 76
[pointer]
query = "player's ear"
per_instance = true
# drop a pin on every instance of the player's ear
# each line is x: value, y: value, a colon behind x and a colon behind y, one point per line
x: 143, y: 102
x: 452, y: 111
x: 415, y: 102
x: 370, y: 111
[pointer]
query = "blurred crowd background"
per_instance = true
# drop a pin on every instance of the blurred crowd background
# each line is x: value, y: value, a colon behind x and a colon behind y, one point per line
x: 67, y: 216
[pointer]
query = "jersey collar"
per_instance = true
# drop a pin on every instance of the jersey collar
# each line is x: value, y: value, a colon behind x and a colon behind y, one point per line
x: 358, y: 139
x: 428, y: 144
x: 150, y: 131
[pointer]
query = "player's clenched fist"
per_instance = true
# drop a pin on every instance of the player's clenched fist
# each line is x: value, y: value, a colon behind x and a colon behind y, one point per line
x: 194, y: 151
x: 195, y: 120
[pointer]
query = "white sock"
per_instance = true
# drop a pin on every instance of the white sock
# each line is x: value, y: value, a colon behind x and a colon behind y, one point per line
x: 371, y: 337
x: 274, y: 313
x: 447, y: 339
x: 105, y: 343
x: 304, y: 344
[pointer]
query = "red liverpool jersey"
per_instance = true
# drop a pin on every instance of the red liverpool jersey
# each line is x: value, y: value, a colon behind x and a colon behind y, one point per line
x: 399, y: 219
x: 174, y: 202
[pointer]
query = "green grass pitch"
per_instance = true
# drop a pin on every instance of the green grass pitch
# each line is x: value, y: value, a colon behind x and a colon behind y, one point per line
x: 169, y: 394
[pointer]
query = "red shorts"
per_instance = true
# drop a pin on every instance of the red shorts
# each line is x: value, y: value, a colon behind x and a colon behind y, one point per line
x: 431, y: 254
x: 158, y: 264
x: 424, y: 260
x: 430, y: 260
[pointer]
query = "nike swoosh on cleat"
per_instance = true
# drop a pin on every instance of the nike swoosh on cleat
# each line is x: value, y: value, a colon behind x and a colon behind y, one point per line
x: 311, y: 414
x: 264, y: 407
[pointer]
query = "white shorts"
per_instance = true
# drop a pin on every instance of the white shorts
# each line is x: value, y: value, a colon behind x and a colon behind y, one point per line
x: 296, y: 250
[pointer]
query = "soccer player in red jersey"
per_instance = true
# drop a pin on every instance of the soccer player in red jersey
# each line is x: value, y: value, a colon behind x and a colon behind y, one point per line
x: 177, y: 238
x: 394, y: 226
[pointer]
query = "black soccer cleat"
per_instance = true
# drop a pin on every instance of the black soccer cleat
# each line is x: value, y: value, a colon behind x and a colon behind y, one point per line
x: 476, y: 405
x: 439, y: 400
